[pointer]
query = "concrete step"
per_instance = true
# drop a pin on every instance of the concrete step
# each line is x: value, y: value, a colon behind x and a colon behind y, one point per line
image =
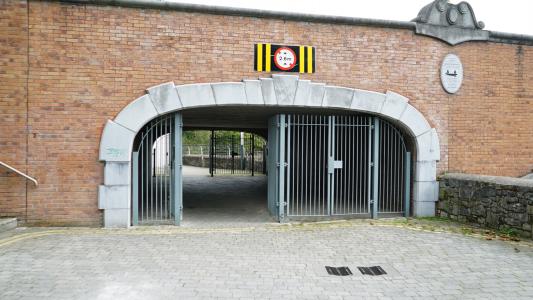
x: 7, y: 224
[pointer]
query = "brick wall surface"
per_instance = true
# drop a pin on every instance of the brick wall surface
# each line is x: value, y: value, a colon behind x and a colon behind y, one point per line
x: 13, y: 101
x: 88, y: 62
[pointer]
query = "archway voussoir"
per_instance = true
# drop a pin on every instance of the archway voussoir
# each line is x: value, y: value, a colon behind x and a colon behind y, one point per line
x: 192, y: 95
x: 303, y: 93
x: 254, y: 95
x: 227, y: 93
x: 367, y: 101
x: 285, y: 88
x: 338, y: 97
x: 116, y: 142
x: 394, y: 105
x: 165, y: 97
x: 268, y: 91
x: 317, y: 94
x: 414, y: 120
x: 137, y: 113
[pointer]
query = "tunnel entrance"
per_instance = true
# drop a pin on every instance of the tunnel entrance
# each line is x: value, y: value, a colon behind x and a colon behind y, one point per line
x: 224, y: 182
x: 225, y: 166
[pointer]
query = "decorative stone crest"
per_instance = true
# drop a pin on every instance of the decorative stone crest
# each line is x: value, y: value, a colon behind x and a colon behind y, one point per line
x: 452, y: 23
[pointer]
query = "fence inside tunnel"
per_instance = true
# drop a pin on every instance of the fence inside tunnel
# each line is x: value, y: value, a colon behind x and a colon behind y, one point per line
x: 225, y: 152
x: 236, y: 153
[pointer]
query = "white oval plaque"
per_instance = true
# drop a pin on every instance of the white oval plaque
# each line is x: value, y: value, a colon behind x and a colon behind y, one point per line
x: 451, y: 73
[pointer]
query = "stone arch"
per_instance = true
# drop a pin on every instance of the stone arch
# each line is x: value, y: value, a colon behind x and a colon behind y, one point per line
x: 279, y: 90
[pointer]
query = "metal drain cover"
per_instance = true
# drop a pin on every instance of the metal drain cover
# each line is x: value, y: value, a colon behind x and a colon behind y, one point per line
x: 339, y: 271
x: 372, y: 271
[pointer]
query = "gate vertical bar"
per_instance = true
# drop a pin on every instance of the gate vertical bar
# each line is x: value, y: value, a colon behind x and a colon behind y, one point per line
x: 172, y: 157
x: 253, y: 153
x: 178, y: 180
x: 135, y: 192
x: 330, y: 171
x: 407, y: 183
x: 289, y: 153
x: 281, y: 169
x: 142, y: 150
x: 375, y: 169
x: 156, y: 165
x: 232, y: 156
x: 316, y: 123
x: 152, y: 164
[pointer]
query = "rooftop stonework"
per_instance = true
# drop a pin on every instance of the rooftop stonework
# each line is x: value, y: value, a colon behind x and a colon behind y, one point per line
x: 452, y: 23
x: 442, y: 13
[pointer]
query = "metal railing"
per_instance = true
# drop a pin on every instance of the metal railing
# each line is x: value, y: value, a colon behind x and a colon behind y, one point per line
x: 19, y: 172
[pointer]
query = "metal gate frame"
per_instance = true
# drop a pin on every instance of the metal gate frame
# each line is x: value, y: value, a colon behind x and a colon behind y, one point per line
x: 144, y: 164
x: 279, y: 164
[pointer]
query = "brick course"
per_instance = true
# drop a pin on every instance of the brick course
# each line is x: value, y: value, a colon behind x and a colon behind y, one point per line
x: 88, y: 62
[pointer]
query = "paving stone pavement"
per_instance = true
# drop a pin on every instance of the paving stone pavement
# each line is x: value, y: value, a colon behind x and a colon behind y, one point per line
x: 267, y: 262
x: 223, y: 201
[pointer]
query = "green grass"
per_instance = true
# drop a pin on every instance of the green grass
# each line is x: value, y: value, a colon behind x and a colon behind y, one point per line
x: 434, y: 219
x: 508, y: 231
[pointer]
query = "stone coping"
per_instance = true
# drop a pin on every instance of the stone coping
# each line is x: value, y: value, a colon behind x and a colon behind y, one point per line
x: 500, y: 180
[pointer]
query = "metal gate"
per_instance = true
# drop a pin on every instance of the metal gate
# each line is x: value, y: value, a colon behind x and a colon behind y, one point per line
x: 337, y: 166
x: 236, y: 153
x: 156, y: 172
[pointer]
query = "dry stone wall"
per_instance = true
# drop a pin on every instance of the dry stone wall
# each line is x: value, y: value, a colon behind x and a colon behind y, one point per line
x: 501, y: 203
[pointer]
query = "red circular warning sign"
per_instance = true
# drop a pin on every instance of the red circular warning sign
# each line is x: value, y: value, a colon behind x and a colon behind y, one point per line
x: 285, y: 58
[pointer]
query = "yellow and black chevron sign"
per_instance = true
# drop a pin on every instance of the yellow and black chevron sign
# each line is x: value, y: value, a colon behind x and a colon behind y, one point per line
x: 269, y: 58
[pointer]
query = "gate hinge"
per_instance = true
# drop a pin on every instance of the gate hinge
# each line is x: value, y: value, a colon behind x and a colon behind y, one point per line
x: 372, y: 201
x: 371, y: 163
x: 284, y: 125
x: 284, y: 204
x: 372, y: 126
x: 284, y: 164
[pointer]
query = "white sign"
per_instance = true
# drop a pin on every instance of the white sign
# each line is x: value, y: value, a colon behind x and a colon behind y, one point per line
x: 451, y: 73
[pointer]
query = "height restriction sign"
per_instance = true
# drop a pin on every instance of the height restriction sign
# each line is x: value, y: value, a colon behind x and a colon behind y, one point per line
x: 281, y: 58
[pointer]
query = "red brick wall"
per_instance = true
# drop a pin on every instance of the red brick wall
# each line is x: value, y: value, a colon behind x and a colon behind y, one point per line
x: 491, y: 118
x: 13, y: 101
x: 88, y: 62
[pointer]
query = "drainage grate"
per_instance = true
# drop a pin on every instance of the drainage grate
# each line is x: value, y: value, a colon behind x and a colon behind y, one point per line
x: 339, y: 271
x: 372, y: 271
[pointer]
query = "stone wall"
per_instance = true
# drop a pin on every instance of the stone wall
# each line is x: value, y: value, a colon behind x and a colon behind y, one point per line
x: 494, y: 202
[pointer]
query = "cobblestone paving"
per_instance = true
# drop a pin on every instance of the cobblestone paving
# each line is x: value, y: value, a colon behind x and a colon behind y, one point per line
x: 268, y: 262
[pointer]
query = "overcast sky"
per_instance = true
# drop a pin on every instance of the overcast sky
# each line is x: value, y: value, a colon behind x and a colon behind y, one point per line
x: 513, y: 16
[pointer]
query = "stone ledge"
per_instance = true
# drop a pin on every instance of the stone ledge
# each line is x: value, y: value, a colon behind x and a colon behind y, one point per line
x: 500, y: 180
